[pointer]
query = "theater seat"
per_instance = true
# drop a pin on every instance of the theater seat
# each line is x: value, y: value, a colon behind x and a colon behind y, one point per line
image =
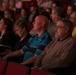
x: 3, y: 64
x: 40, y: 72
x: 16, y: 69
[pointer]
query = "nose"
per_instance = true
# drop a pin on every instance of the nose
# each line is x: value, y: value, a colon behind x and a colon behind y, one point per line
x: 55, y: 28
x: 33, y: 23
x: 51, y: 15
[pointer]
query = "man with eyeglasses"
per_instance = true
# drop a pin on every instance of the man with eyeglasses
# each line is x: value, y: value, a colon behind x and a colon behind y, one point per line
x: 60, y: 53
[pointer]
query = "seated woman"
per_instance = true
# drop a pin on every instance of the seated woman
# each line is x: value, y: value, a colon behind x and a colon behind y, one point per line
x: 7, y: 36
x: 21, y: 30
x: 9, y: 14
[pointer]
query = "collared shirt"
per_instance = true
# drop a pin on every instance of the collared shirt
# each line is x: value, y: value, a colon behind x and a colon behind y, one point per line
x: 57, y: 54
x: 36, y: 45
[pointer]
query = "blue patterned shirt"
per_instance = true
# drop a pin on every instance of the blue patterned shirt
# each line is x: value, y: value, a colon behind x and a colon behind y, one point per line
x: 36, y: 45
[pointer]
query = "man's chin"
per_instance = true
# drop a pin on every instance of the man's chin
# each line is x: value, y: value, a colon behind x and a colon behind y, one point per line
x: 57, y: 36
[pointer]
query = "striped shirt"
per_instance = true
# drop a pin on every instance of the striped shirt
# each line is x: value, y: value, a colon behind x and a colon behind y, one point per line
x: 36, y: 45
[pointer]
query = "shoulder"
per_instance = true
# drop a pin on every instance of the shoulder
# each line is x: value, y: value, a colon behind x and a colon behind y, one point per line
x: 68, y: 42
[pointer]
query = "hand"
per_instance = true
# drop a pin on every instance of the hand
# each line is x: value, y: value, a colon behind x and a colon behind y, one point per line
x: 5, y: 57
x: 35, y: 67
x: 40, y: 68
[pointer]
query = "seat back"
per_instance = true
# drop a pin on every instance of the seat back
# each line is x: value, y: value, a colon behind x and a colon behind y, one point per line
x: 16, y: 69
x: 40, y: 72
x: 3, y: 64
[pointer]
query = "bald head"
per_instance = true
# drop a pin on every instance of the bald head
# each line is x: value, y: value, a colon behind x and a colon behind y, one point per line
x: 43, y: 19
x: 40, y: 23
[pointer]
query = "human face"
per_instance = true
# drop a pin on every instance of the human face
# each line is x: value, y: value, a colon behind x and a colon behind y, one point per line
x: 32, y: 9
x: 23, y: 12
x: 60, y: 30
x: 69, y: 10
x: 2, y: 25
x: 53, y: 5
x: 7, y: 14
x: 19, y: 31
x: 4, y: 6
x: 37, y: 24
x: 11, y: 3
x: 73, y: 19
x: 54, y: 15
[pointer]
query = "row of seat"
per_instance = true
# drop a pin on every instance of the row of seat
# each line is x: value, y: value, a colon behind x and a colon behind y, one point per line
x: 11, y: 68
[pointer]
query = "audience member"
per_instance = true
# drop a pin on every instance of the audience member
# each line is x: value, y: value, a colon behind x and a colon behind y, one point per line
x: 12, y: 5
x: 73, y: 20
x: 32, y: 14
x: 21, y: 30
x: 36, y: 44
x: 9, y: 14
x: 61, y: 52
x: 24, y: 14
x: 39, y: 2
x: 19, y: 6
x: 56, y: 4
x: 33, y: 32
x: 5, y: 6
x: 57, y: 14
x: 7, y: 36
x: 49, y: 10
x: 70, y: 9
x: 46, y: 4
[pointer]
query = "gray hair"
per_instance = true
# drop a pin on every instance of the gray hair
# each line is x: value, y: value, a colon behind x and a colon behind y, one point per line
x: 59, y: 11
x: 68, y: 24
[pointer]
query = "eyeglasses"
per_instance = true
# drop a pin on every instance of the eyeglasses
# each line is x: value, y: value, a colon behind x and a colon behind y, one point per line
x: 59, y: 26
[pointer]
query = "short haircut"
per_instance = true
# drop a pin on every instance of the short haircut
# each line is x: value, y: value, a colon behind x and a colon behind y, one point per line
x: 22, y: 24
x: 59, y: 11
x: 8, y: 23
x: 67, y: 23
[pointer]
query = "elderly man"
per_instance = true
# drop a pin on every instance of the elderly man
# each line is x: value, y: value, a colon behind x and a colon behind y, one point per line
x: 36, y: 44
x: 61, y: 52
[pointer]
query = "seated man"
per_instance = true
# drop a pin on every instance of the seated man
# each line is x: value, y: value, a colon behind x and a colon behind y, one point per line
x: 60, y: 52
x: 36, y: 44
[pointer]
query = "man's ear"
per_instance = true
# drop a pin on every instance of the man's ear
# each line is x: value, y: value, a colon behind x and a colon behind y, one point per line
x: 43, y: 23
x: 67, y: 29
x: 5, y: 26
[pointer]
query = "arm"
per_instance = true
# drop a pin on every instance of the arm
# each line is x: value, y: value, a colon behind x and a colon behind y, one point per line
x: 13, y: 54
x: 62, y: 59
x: 39, y: 59
x: 38, y: 51
x: 31, y: 60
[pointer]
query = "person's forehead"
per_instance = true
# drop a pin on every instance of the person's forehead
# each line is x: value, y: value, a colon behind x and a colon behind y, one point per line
x: 54, y: 11
x: 72, y: 15
x: 60, y: 23
x: 37, y: 18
